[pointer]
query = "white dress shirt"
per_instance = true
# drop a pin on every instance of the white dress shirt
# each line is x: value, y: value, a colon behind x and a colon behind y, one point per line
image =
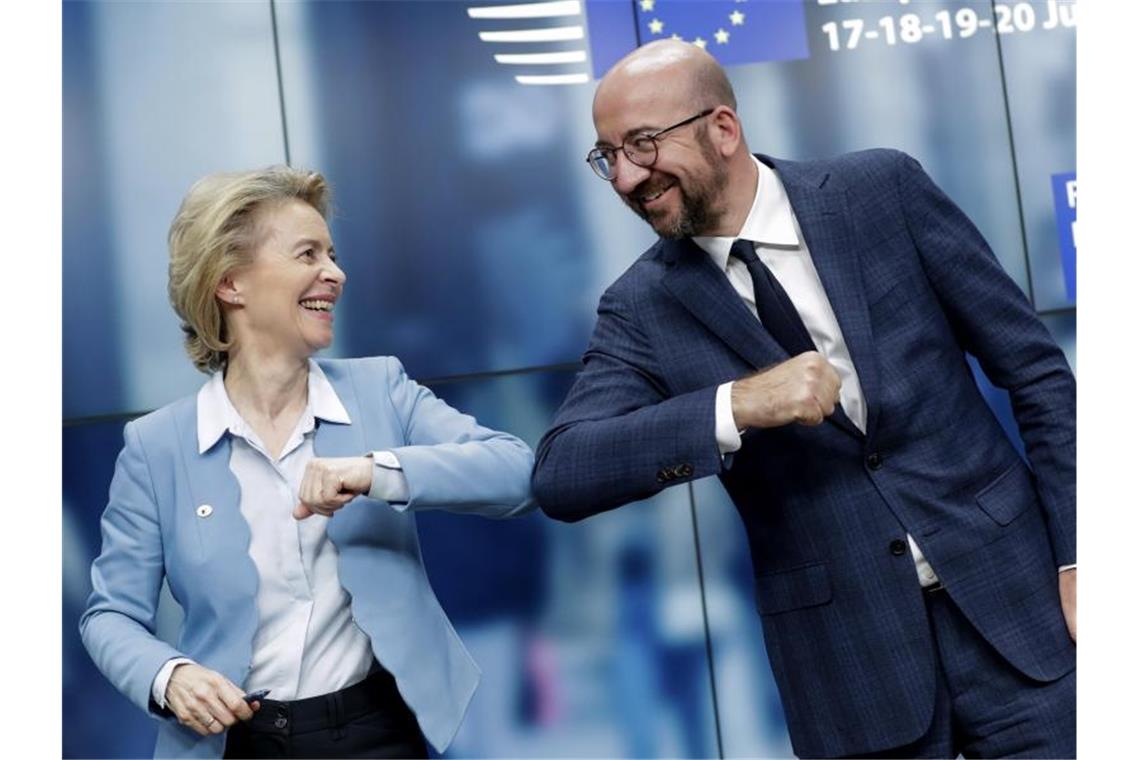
x: 306, y: 641
x: 779, y: 242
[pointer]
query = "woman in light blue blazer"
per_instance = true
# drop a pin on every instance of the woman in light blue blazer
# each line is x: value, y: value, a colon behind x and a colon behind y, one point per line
x: 279, y: 505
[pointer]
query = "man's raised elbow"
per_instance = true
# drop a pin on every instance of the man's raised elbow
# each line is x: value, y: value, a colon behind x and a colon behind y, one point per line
x: 552, y: 496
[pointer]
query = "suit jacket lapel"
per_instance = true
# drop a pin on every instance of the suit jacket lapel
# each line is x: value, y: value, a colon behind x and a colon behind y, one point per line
x: 695, y: 281
x: 822, y: 214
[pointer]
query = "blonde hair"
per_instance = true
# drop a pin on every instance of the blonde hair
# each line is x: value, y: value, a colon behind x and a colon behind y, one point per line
x: 215, y: 231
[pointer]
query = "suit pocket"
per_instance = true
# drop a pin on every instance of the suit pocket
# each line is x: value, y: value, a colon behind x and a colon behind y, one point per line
x: 794, y: 589
x: 1008, y: 494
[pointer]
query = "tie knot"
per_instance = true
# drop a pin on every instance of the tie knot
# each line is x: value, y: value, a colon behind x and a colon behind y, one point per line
x: 745, y: 250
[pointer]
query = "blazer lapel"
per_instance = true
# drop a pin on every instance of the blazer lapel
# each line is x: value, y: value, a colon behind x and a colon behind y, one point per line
x: 223, y: 530
x: 695, y: 281
x: 334, y: 439
x: 823, y: 218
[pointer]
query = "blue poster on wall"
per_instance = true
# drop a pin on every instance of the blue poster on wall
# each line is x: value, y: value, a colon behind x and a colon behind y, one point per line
x: 1065, y: 206
x: 735, y: 32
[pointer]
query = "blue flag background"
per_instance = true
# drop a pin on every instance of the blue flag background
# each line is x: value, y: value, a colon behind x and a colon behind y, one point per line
x: 733, y: 31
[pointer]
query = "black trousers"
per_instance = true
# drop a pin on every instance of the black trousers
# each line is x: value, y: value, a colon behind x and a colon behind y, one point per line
x: 368, y: 719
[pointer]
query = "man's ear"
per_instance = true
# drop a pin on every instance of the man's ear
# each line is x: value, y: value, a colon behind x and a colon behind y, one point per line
x: 725, y: 127
x: 228, y: 291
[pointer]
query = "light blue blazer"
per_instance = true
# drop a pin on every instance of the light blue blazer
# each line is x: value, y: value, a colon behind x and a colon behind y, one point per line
x: 151, y: 532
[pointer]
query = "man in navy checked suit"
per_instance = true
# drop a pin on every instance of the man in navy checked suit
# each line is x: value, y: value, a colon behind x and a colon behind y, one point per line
x: 799, y: 330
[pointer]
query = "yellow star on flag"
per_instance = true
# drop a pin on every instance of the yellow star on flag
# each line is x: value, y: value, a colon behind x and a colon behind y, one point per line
x: 721, y: 37
x: 677, y: 37
x: 737, y: 18
x: 647, y: 5
x: 700, y: 42
x: 656, y: 26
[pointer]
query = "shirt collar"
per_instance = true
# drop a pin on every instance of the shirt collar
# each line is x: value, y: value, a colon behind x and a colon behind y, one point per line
x: 217, y: 415
x: 769, y: 221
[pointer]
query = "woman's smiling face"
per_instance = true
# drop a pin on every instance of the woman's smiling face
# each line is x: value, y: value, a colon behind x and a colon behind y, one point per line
x: 286, y: 296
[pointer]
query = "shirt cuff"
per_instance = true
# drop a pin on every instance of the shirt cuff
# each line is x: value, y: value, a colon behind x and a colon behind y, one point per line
x: 388, y: 480
x: 158, y: 688
x: 727, y: 436
x: 1063, y: 568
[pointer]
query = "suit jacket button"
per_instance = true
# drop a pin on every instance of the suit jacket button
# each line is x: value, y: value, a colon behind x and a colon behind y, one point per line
x: 898, y: 547
x: 684, y: 470
x: 663, y: 476
x: 874, y: 460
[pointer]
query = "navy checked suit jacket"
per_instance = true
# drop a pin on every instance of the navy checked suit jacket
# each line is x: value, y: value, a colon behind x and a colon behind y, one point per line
x: 914, y: 286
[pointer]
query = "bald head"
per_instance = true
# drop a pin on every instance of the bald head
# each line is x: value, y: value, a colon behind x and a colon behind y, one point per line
x: 669, y: 68
x: 689, y: 172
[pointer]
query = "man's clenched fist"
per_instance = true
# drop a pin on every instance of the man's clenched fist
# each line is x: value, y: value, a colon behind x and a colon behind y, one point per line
x: 804, y: 389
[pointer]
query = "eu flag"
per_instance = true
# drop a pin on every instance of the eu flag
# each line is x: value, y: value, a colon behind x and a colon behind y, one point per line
x: 734, y: 31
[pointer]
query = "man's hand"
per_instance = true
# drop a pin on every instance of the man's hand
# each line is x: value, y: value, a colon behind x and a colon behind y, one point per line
x: 804, y: 389
x: 1067, y: 581
x: 204, y: 700
x: 331, y: 483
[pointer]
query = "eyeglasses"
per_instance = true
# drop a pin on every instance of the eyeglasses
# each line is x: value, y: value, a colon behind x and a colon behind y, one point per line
x: 639, y: 149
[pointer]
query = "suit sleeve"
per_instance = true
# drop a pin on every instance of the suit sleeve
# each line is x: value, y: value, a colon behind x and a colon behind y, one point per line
x: 452, y: 462
x: 994, y: 321
x: 619, y: 436
x: 118, y: 624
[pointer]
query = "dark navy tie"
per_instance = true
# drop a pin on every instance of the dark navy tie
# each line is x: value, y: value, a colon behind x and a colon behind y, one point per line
x: 775, y: 309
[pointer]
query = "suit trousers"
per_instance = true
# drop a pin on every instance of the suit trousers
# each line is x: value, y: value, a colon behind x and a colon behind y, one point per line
x: 983, y: 706
x: 368, y: 719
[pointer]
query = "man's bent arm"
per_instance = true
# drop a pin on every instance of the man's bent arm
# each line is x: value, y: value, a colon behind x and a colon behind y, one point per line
x: 618, y: 436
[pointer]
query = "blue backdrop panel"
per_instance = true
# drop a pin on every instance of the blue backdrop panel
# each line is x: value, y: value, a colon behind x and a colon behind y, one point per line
x: 155, y: 96
x: 467, y: 245
x: 1041, y: 77
x: 97, y: 720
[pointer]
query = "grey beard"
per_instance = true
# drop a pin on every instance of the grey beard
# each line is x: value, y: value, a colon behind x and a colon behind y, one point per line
x: 696, y: 217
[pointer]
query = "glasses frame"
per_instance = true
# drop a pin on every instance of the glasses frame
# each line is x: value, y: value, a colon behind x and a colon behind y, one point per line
x: 653, y: 138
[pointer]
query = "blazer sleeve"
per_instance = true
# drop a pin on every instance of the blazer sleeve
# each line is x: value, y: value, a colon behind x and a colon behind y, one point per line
x: 118, y: 624
x: 451, y: 462
x: 994, y: 321
x: 619, y: 436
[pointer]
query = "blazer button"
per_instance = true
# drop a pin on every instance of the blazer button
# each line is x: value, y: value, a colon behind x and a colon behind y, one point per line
x: 874, y: 460
x: 683, y: 470
x: 898, y: 547
x: 663, y: 476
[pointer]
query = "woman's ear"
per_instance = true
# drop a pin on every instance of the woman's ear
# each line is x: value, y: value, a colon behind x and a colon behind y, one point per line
x: 228, y: 291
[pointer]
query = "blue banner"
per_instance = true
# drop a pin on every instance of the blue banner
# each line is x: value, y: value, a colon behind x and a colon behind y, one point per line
x: 1065, y: 207
x: 734, y: 31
